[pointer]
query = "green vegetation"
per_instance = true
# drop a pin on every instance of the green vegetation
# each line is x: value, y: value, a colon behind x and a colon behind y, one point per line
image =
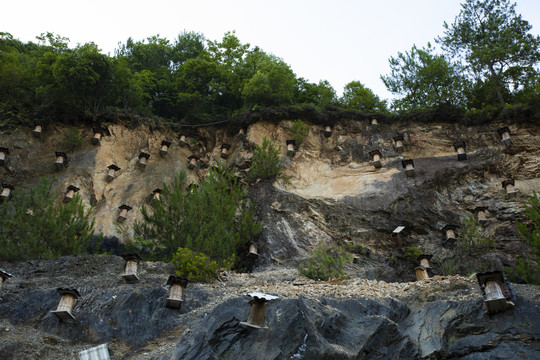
x: 187, y: 80
x: 72, y: 140
x: 358, y: 97
x: 474, y: 239
x: 216, y: 220
x: 34, y: 225
x: 299, y: 131
x: 195, y: 266
x: 487, y: 58
x: 412, y: 253
x: 527, y: 268
x: 265, y: 161
x: 448, y: 266
x: 325, y: 263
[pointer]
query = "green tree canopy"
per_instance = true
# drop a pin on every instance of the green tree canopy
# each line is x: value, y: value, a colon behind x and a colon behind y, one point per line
x: 358, y: 97
x: 424, y: 80
x: 495, y: 43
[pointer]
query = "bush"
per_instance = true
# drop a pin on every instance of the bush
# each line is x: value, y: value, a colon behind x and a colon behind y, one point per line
x: 194, y: 266
x: 299, y: 130
x: 412, y: 253
x: 33, y: 226
x: 216, y: 219
x: 325, y: 263
x: 527, y: 268
x: 448, y: 266
x: 72, y: 140
x: 474, y: 239
x: 265, y: 161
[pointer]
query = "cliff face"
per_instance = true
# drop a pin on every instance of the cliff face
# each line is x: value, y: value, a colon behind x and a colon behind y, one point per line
x: 333, y: 194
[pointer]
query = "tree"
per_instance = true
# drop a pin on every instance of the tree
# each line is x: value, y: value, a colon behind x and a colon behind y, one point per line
x: 320, y: 94
x: 268, y: 82
x: 33, y: 225
x: 495, y: 43
x: 358, y: 97
x: 425, y: 80
x: 214, y: 219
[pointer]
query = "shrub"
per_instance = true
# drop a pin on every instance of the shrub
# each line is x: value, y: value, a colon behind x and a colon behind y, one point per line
x: 299, y: 131
x: 448, y: 266
x: 412, y: 253
x: 527, y: 268
x: 325, y: 263
x: 195, y: 266
x: 34, y: 226
x: 216, y: 219
x: 265, y: 161
x: 72, y: 140
x: 474, y: 239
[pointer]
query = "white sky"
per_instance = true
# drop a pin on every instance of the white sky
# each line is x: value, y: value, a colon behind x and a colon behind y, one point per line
x: 338, y: 41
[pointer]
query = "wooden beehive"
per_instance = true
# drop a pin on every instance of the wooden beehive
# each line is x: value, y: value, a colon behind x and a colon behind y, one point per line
x: 421, y: 273
x: 424, y: 260
x: 70, y: 192
x: 182, y: 141
x: 253, y: 254
x: 460, y: 148
x: 61, y: 160
x: 156, y: 195
x: 505, y: 135
x: 193, y: 162
x: 259, y: 308
x: 225, y: 151
x: 63, y: 311
x: 398, y: 142
x: 408, y: 165
x: 449, y: 232
x: 327, y: 131
x: 509, y: 186
x: 6, y: 191
x: 4, y: 152
x: 37, y: 131
x: 130, y: 268
x: 177, y: 285
x: 123, y: 213
x: 496, y: 290
x: 290, y: 147
x: 374, y: 121
x: 396, y: 235
x: 4, y: 275
x: 164, y: 147
x: 481, y: 214
x: 143, y: 158
x: 241, y: 134
x: 376, y: 158
x: 111, y: 172
x: 98, y: 133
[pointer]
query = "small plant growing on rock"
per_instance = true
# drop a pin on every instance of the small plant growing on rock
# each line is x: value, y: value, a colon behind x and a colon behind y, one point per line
x: 325, y: 263
x: 265, y: 161
x: 72, y: 140
x: 299, y: 130
x: 412, y: 253
x: 474, y: 239
x: 448, y: 266
x: 527, y: 269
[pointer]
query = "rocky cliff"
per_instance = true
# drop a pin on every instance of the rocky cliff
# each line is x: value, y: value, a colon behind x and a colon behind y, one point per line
x: 333, y: 194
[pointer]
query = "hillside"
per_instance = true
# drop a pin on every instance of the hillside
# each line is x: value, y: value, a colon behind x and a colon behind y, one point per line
x: 331, y: 194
